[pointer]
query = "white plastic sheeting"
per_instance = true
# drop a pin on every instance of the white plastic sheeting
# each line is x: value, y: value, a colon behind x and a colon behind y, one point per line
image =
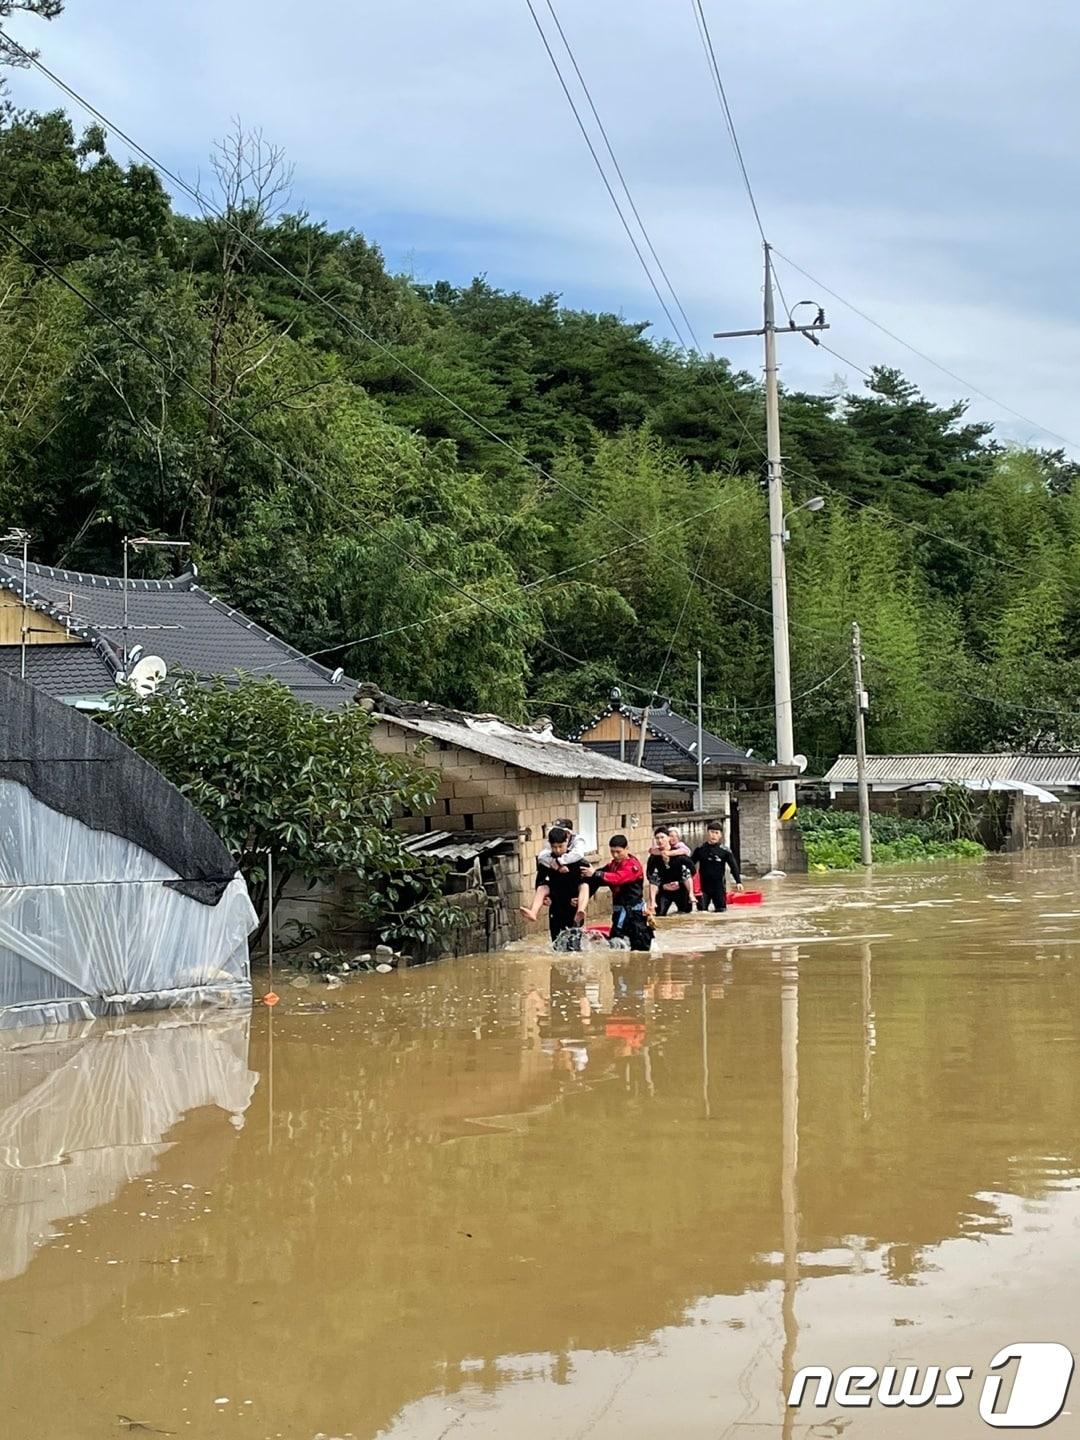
x: 86, y: 1109
x: 88, y: 925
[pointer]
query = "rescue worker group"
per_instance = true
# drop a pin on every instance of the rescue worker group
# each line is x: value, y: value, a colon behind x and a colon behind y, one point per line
x: 673, y: 878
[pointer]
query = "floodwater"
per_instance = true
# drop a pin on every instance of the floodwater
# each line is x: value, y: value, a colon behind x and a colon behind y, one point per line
x: 553, y: 1198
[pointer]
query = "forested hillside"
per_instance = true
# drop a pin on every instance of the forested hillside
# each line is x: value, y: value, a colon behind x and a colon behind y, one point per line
x: 330, y: 493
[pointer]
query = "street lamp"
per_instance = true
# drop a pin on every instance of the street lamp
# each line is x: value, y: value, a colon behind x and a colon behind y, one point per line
x: 812, y: 505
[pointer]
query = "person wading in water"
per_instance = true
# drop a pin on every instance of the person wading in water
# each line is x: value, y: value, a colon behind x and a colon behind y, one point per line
x: 564, y: 886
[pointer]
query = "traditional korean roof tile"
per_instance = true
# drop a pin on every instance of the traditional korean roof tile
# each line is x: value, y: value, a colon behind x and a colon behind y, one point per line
x: 66, y: 672
x: 185, y: 625
x: 680, y: 733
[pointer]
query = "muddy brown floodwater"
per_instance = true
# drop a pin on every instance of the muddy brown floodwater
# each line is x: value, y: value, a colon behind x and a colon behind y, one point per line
x: 552, y: 1198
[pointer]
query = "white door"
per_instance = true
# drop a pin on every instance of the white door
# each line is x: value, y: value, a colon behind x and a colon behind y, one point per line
x: 586, y: 824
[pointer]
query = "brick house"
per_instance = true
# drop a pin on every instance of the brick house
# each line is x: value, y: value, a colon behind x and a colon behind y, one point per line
x: 511, y: 781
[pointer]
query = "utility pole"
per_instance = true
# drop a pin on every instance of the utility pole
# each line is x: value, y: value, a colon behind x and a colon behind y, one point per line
x: 700, y: 743
x: 862, y: 704
x: 785, y: 743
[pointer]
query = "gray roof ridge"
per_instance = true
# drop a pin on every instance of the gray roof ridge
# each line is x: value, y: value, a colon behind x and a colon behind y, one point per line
x: 75, y: 625
x: 84, y: 577
x: 245, y: 622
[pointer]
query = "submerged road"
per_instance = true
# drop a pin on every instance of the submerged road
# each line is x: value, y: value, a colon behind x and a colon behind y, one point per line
x: 553, y: 1198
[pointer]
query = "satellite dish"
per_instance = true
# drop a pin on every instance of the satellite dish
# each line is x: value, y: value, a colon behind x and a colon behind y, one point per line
x: 147, y: 675
x: 800, y: 762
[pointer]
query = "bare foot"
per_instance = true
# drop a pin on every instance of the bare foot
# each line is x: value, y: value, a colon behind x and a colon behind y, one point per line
x: 529, y: 914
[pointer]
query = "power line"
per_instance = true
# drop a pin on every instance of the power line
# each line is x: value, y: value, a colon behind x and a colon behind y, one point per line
x: 1019, y: 415
x: 533, y: 585
x: 618, y: 168
x: 721, y: 94
x: 751, y: 709
x: 306, y: 288
x: 603, y: 175
x: 258, y: 440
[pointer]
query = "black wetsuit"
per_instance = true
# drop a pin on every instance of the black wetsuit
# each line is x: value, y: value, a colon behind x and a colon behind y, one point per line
x: 562, y: 894
x: 712, y: 860
x: 661, y: 872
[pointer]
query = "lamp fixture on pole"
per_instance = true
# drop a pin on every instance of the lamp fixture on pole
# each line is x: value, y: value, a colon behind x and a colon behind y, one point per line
x: 812, y: 506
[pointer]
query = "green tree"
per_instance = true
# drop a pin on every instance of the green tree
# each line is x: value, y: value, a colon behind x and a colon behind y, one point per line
x: 272, y: 774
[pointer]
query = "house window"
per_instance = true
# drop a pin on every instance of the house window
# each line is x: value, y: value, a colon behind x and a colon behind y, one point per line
x: 586, y: 824
x: 470, y: 822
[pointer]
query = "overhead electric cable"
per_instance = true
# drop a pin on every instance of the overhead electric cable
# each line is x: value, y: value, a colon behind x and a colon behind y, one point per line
x: 603, y: 175
x: 967, y: 384
x: 618, y: 168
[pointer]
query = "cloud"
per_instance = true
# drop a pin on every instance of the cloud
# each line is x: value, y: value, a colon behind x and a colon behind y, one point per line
x: 918, y: 158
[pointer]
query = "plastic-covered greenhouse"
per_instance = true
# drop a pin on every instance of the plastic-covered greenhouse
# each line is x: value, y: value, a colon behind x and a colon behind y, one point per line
x: 115, y: 894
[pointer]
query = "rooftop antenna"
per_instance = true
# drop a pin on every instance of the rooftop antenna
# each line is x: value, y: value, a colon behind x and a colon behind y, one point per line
x: 21, y: 537
x: 141, y: 542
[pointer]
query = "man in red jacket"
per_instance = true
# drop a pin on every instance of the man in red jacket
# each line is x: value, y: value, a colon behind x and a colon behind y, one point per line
x: 625, y: 878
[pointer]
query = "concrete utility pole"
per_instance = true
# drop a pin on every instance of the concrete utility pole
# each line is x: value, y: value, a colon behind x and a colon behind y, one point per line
x: 862, y: 704
x: 785, y: 743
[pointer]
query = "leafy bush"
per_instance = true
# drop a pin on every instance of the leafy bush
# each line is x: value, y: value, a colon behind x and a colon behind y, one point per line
x: 271, y: 773
x: 832, y: 840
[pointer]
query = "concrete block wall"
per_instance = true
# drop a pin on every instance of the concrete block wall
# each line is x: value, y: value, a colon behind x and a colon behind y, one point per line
x: 759, y: 825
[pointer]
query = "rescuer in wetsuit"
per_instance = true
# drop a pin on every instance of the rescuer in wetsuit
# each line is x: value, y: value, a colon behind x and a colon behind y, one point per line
x: 671, y: 880
x: 712, y: 859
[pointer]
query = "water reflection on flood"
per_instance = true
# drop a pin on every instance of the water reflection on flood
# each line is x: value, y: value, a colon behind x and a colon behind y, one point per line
x: 607, y: 1195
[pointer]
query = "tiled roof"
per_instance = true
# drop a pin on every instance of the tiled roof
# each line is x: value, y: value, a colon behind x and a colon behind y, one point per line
x: 1051, y: 769
x: 63, y: 671
x: 682, y: 734
x: 667, y: 758
x: 187, y: 626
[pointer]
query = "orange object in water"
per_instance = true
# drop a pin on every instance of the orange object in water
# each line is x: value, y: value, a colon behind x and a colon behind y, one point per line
x: 746, y: 897
x: 271, y: 998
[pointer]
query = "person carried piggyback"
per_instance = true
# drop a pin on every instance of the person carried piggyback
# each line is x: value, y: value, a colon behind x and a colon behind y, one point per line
x: 560, y: 882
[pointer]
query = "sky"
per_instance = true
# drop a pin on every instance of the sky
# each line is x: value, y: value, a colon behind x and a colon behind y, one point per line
x: 919, y: 159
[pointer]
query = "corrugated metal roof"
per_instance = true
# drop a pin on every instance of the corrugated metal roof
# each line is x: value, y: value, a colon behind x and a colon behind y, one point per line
x: 1060, y: 769
x: 527, y: 750
x: 447, y: 845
